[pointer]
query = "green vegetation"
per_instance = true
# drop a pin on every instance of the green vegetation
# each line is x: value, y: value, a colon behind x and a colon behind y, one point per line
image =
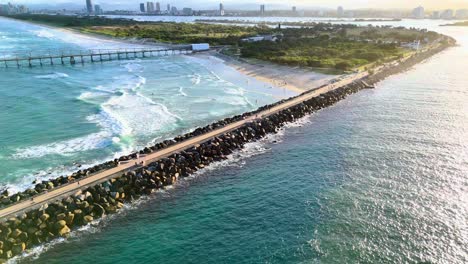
x: 182, y: 32
x: 322, y: 45
x: 321, y: 52
x: 167, y: 32
x: 343, y: 47
x: 457, y: 24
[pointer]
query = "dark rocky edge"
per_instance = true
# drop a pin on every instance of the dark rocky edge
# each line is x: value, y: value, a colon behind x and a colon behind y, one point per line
x: 57, y: 219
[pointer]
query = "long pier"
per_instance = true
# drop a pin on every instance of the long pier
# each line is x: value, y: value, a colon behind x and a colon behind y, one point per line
x: 72, y: 57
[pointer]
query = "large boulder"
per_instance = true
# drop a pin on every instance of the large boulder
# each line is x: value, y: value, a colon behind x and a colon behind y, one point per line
x: 115, y: 195
x: 8, y: 254
x: 64, y: 231
x: 18, y: 248
x: 44, y: 217
x: 99, y: 210
x: 69, y: 218
x: 87, y: 219
x: 61, y: 216
x: 31, y: 230
x: 16, y: 233
x: 60, y: 224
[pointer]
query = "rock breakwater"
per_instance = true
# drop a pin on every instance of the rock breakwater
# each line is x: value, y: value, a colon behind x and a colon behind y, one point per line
x: 59, y: 218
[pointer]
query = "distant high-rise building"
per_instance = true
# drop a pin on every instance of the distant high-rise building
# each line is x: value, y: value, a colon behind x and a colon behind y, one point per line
x: 435, y: 15
x: 262, y: 9
x: 168, y: 8
x: 174, y: 11
x: 89, y: 6
x: 340, y: 11
x: 10, y: 9
x: 221, y: 9
x: 418, y: 12
x: 98, y: 10
x: 4, y: 9
x: 149, y: 7
x: 187, y: 11
x: 447, y: 14
x: 294, y: 9
x: 462, y: 14
x: 158, y: 7
x: 142, y: 7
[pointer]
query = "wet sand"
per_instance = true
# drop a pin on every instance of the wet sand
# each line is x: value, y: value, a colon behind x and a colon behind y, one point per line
x: 295, y: 79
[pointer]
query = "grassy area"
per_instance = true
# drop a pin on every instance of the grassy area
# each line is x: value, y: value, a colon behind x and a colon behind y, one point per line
x: 458, y: 24
x: 342, y: 47
x: 181, y: 32
x: 321, y: 52
x: 390, y: 34
x: 167, y: 32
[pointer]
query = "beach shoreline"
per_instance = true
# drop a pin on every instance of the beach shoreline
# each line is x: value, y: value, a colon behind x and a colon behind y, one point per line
x: 273, y: 76
x: 294, y: 79
x: 210, y: 63
x: 297, y: 79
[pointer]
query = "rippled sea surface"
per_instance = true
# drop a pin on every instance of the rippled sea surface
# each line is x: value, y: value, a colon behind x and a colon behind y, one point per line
x: 53, y: 117
x: 381, y: 177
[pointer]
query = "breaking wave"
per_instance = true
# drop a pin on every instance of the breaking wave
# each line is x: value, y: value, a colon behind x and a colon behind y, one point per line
x: 55, y: 75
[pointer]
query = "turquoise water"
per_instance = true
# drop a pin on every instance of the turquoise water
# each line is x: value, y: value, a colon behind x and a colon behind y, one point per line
x: 55, y: 117
x: 381, y: 177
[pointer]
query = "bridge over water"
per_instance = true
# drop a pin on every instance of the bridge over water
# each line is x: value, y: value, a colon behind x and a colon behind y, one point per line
x: 61, y: 57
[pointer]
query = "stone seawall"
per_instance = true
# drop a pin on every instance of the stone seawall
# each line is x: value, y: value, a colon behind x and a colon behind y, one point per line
x: 57, y: 219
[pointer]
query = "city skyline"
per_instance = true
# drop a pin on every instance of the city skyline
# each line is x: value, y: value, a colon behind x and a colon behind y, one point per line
x: 304, y: 4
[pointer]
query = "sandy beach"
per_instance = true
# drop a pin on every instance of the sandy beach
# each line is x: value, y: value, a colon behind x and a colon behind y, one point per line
x: 259, y: 77
x: 281, y: 81
x: 296, y: 79
x: 287, y: 81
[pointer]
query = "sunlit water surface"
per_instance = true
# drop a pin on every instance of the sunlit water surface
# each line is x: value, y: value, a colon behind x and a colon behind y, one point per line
x: 381, y: 177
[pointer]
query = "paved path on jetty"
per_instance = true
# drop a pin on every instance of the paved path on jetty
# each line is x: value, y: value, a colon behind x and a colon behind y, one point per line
x: 68, y: 189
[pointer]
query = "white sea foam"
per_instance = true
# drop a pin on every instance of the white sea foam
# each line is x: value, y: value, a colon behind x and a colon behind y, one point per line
x: 139, y: 114
x: 181, y: 91
x: 35, y: 252
x: 88, y: 142
x: 216, y: 76
x: 109, y: 128
x: 27, y: 177
x: 134, y: 66
x: 196, y: 79
x: 234, y: 90
x: 43, y: 33
x: 112, y: 121
x: 237, y: 159
x: 94, y: 97
x: 55, y: 75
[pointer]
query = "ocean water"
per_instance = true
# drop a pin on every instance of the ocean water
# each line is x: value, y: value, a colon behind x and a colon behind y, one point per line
x: 381, y: 177
x: 55, y: 118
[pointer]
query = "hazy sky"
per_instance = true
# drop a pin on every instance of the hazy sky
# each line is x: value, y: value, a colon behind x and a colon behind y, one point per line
x: 350, y: 4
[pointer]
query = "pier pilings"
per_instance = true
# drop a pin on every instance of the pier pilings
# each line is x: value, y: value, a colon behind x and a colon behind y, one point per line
x: 32, y: 59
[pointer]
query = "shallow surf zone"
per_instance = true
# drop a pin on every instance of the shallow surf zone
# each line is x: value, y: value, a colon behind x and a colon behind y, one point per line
x: 237, y: 159
x: 43, y: 33
x: 136, y: 103
x: 102, y: 110
x: 53, y: 75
